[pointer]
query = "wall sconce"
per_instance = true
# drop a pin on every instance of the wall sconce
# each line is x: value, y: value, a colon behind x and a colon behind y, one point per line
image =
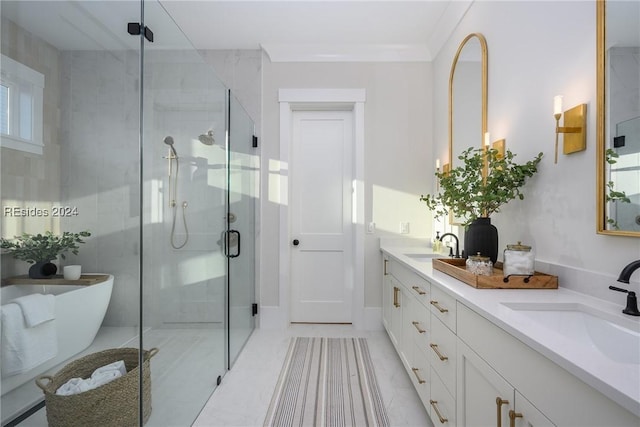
x: 575, y: 125
x: 499, y: 145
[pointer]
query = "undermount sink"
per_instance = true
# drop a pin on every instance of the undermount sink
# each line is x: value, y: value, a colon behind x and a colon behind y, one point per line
x: 616, y: 338
x: 423, y: 257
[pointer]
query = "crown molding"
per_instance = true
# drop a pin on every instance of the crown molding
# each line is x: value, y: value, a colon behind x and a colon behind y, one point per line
x: 347, y: 52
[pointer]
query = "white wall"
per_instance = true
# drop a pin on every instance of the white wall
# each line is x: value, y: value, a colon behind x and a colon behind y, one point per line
x: 538, y: 50
x: 398, y: 130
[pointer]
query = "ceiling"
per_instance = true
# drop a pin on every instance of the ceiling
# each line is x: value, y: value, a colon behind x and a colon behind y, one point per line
x: 331, y: 30
x: 287, y: 30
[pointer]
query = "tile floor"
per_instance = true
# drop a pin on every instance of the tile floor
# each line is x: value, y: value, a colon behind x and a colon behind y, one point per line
x: 243, y: 397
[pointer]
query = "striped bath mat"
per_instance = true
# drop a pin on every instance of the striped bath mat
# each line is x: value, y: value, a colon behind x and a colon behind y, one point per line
x: 327, y: 382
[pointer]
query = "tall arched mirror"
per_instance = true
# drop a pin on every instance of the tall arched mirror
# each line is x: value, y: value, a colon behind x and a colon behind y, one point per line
x: 467, y: 98
x: 618, y: 118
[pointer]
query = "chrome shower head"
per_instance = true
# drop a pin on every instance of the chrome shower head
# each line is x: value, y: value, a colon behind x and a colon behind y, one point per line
x: 169, y: 141
x: 207, y: 139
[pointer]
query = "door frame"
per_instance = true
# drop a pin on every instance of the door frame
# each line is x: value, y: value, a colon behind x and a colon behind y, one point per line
x: 324, y: 99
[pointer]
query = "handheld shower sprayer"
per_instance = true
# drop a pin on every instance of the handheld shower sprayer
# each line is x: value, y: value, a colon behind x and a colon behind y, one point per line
x: 169, y: 141
x: 173, y: 193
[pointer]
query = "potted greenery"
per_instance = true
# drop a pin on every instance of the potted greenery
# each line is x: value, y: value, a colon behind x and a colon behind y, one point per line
x: 40, y: 249
x: 468, y: 194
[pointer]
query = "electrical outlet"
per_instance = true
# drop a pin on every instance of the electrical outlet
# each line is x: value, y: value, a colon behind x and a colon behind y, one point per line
x: 404, y: 228
x: 371, y: 227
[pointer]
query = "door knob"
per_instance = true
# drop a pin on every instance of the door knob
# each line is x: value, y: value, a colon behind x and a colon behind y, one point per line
x: 296, y: 242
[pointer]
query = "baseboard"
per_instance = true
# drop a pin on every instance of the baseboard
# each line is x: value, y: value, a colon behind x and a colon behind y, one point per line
x: 272, y: 317
x: 372, y: 319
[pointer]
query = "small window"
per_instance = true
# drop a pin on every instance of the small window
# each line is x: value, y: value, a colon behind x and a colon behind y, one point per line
x: 21, y: 103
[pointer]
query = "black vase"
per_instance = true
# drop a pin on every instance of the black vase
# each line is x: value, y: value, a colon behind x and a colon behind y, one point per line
x: 481, y: 237
x: 42, y: 270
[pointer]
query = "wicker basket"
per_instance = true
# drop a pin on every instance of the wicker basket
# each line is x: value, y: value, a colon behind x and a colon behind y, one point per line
x: 113, y: 404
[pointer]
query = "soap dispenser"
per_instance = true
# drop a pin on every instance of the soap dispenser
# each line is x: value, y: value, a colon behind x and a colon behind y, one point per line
x: 436, y: 244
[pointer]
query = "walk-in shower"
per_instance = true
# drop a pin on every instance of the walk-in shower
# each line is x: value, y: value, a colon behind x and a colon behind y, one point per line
x: 118, y: 90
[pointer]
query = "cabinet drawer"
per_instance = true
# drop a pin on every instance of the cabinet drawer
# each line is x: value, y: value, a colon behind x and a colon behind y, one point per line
x: 443, y: 306
x: 420, y: 324
x: 442, y: 406
x: 412, y: 281
x: 421, y: 375
x: 443, y: 353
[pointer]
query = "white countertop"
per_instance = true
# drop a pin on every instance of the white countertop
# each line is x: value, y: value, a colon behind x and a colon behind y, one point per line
x: 618, y: 380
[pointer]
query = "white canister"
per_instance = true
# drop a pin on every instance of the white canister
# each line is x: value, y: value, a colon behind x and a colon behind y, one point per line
x: 72, y: 272
x: 518, y: 260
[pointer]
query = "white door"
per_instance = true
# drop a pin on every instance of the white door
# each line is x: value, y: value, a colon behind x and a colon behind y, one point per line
x: 321, y: 206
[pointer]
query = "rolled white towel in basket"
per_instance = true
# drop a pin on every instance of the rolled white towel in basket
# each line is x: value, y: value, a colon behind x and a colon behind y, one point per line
x: 99, y: 377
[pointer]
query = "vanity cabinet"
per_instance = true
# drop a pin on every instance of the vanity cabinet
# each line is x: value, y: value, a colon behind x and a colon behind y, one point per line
x: 485, y: 398
x: 543, y: 392
x: 469, y: 372
x: 419, y: 325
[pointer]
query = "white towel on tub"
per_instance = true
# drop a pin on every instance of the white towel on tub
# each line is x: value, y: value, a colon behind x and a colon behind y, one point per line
x: 24, y: 348
x: 36, y: 308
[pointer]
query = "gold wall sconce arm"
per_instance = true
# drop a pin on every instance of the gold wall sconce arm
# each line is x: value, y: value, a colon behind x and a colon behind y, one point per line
x: 574, y: 129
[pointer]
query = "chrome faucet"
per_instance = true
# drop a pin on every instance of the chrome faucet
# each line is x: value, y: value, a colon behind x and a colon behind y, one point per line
x: 632, y: 301
x: 457, y: 255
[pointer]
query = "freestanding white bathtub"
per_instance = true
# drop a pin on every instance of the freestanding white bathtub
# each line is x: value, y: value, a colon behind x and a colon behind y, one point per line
x: 79, y: 311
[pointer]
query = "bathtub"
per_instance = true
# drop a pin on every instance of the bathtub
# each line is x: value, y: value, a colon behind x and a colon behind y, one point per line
x: 79, y: 311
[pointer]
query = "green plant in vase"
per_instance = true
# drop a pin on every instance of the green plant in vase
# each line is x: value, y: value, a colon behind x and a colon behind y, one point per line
x: 468, y: 193
x: 41, y: 249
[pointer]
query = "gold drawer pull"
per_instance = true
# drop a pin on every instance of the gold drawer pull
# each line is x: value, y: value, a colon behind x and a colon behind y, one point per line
x: 395, y: 297
x: 512, y: 417
x: 415, y: 372
x: 434, y: 405
x: 385, y: 267
x: 435, y: 348
x: 436, y: 305
x: 499, y: 403
x: 418, y: 290
x: 416, y: 324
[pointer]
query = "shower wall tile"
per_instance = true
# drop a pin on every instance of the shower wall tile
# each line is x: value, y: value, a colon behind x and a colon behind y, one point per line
x: 100, y: 163
x: 240, y: 71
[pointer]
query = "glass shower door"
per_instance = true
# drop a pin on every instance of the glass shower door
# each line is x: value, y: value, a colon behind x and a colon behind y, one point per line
x: 243, y: 170
x: 184, y: 195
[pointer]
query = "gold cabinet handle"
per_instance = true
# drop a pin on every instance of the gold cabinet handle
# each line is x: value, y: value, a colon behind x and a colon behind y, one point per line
x: 435, y: 348
x: 434, y: 405
x: 418, y: 290
x: 415, y: 372
x: 417, y: 325
x: 436, y: 305
x: 499, y: 402
x: 385, y: 267
x: 395, y: 297
x: 512, y: 417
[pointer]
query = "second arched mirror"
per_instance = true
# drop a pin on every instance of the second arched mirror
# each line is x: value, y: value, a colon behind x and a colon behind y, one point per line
x: 467, y: 97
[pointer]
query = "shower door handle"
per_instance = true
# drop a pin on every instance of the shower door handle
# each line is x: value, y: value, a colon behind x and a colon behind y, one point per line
x: 228, y: 237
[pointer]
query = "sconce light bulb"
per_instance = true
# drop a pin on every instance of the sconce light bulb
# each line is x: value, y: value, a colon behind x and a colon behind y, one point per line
x: 487, y: 139
x: 438, y: 164
x: 557, y: 105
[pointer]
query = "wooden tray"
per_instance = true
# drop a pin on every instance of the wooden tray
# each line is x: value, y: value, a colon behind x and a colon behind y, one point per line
x: 84, y: 280
x: 456, y: 267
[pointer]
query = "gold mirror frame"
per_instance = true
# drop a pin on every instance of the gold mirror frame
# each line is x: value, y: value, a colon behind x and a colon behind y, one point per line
x: 484, y: 84
x: 601, y: 117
